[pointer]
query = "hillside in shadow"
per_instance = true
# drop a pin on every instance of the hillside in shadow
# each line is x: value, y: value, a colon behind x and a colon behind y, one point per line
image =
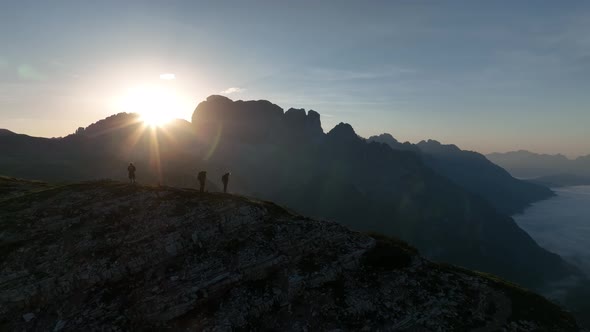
x: 109, y: 256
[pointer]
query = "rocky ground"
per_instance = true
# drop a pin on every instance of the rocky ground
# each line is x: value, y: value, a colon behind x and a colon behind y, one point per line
x: 11, y: 187
x: 109, y: 256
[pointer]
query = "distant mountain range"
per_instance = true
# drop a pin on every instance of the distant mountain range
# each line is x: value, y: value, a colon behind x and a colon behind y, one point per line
x: 475, y: 173
x: 286, y: 157
x: 553, y: 170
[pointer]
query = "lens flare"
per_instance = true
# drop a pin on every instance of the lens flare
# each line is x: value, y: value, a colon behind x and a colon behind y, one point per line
x: 156, y: 105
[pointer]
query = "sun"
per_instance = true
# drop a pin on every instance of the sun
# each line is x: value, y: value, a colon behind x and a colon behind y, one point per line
x: 155, y: 104
x: 154, y: 119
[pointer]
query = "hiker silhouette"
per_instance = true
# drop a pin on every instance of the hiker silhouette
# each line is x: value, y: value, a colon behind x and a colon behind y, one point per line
x: 225, y: 180
x: 202, y: 177
x: 131, y: 171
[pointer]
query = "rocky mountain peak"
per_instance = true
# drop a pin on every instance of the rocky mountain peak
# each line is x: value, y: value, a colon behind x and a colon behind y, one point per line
x: 218, y: 99
x: 434, y: 146
x: 247, y: 121
x: 296, y: 114
x: 298, y: 122
x: 254, y: 121
x: 314, y: 124
x: 387, y: 136
x: 343, y: 132
x: 393, y: 143
x: 109, y: 125
x: 6, y: 132
x: 313, y: 116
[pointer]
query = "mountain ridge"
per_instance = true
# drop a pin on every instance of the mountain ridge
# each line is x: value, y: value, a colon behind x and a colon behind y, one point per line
x: 6, y: 132
x: 474, y: 172
x: 108, y: 255
x: 338, y: 176
x: 530, y: 165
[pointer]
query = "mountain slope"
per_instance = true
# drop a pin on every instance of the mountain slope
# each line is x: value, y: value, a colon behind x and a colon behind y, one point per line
x: 11, y: 187
x: 369, y: 186
x: 285, y: 157
x: 6, y: 132
x: 102, y: 150
x: 475, y: 173
x: 108, y: 256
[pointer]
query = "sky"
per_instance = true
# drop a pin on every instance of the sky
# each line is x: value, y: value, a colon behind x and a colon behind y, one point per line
x: 484, y: 75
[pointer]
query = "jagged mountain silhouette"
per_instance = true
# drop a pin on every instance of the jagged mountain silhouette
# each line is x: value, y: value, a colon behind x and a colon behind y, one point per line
x: 287, y: 158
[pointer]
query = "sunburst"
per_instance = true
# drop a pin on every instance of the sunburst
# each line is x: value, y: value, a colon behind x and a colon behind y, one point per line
x: 156, y: 105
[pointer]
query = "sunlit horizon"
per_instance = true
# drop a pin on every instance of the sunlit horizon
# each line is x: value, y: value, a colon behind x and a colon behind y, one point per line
x: 156, y: 104
x: 512, y: 79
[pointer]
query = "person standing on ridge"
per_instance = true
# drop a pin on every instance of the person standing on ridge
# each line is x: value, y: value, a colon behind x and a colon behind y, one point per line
x: 131, y: 171
x: 202, y: 177
x: 225, y: 180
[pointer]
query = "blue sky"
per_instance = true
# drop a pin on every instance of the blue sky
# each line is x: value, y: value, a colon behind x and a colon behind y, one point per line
x: 485, y: 75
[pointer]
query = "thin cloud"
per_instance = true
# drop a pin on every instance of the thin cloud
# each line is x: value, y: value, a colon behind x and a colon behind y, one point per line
x: 232, y: 90
x: 167, y: 76
x: 335, y: 74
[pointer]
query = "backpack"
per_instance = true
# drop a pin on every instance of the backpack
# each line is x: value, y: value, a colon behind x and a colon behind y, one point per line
x: 202, y: 175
